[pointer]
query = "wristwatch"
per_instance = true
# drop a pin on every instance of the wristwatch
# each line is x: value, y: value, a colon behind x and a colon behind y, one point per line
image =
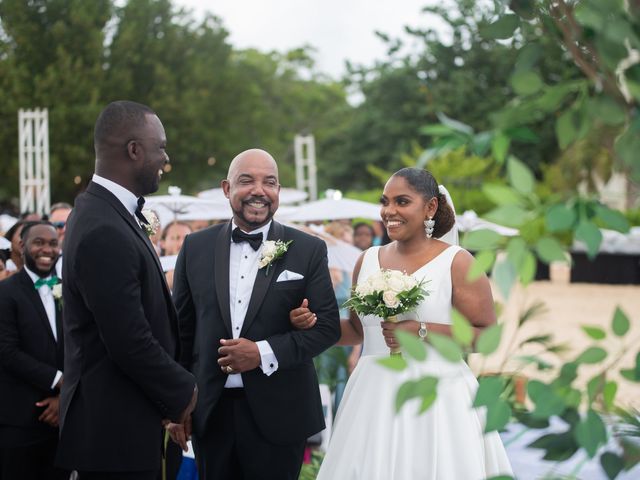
x: 422, y: 331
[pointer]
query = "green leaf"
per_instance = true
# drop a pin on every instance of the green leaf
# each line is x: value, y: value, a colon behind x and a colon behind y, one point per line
x: 405, y: 393
x: 501, y: 194
x: 547, y: 402
x: 558, y: 446
x: 426, y: 389
x: 482, y: 263
x: 591, y: 433
x: 612, y: 218
x: 595, y: 386
x: 566, y: 129
x: 446, y: 347
x: 592, y: 355
x: 612, y: 464
x: 498, y: 415
x: 539, y: 362
x: 395, y: 362
x: 489, y: 339
x: 607, y: 110
x: 549, y: 250
x: 591, y: 236
x: 526, y: 82
x: 483, y: 239
x: 609, y: 394
x: 436, y: 130
x: 559, y: 217
x: 500, y: 146
x: 627, y: 145
x: 516, y: 251
x: 502, y: 28
x: 620, y: 323
x: 412, y: 345
x: 528, y: 56
x: 537, y: 308
x: 528, y: 268
x: 489, y: 390
x: 596, y: 333
x: 461, y: 328
x: 455, y: 125
x: 508, y: 215
x: 504, y: 276
x: 520, y: 176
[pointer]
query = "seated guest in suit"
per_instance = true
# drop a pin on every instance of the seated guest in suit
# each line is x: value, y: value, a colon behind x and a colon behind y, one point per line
x: 31, y: 360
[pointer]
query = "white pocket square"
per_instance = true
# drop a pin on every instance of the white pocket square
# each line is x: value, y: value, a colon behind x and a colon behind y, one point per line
x: 287, y: 276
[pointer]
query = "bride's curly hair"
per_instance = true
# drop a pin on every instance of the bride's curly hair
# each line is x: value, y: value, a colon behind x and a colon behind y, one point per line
x: 423, y: 182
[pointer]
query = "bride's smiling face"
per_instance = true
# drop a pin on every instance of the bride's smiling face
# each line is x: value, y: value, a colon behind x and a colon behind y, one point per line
x: 403, y: 210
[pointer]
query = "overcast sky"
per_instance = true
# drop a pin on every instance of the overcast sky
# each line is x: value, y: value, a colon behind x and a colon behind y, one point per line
x: 338, y: 29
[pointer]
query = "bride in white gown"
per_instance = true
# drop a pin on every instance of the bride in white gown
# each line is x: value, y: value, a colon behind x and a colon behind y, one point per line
x: 370, y: 440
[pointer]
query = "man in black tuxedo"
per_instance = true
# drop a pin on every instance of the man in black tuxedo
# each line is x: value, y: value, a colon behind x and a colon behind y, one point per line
x: 31, y: 360
x: 259, y: 397
x: 121, y: 331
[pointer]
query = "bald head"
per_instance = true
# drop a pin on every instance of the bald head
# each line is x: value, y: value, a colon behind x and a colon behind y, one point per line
x: 252, y: 188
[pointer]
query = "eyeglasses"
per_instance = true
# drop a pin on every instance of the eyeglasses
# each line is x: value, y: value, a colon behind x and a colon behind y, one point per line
x: 58, y: 225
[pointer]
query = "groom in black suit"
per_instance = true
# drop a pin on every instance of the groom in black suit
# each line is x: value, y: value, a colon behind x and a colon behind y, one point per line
x: 121, y: 333
x: 259, y: 397
x: 31, y: 359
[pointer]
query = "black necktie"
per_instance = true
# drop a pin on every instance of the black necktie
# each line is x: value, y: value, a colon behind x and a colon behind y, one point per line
x: 139, y: 215
x: 254, y: 239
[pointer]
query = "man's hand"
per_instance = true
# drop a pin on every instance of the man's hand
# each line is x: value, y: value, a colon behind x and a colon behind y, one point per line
x: 238, y: 355
x: 180, y: 433
x: 51, y: 411
x: 302, y: 318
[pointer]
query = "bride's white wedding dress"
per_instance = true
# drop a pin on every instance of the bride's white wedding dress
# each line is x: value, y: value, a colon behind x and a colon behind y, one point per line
x: 371, y: 442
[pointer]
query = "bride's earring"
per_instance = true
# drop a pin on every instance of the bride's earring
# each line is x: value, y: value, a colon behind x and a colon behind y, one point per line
x: 428, y: 227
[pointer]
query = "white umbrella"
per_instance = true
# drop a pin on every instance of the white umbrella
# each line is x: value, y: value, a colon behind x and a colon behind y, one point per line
x: 340, y: 254
x: 4, y: 244
x: 176, y: 206
x: 470, y: 221
x: 334, y: 209
x: 287, y: 195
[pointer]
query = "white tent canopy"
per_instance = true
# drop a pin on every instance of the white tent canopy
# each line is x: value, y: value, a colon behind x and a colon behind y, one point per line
x: 287, y: 195
x: 333, y: 209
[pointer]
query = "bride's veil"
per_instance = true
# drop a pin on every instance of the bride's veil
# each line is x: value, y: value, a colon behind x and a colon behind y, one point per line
x: 451, y: 237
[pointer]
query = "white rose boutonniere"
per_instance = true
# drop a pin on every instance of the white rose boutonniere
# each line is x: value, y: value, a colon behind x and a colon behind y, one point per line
x: 56, y: 291
x: 152, y: 227
x: 271, y: 251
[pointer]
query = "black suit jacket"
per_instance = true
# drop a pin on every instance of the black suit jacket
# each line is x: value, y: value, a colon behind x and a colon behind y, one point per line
x: 120, y: 329
x: 29, y: 356
x: 286, y: 405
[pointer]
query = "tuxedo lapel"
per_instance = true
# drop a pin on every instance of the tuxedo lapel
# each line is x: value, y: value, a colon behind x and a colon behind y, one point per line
x: 105, y: 194
x: 34, y: 298
x: 261, y: 285
x: 222, y: 248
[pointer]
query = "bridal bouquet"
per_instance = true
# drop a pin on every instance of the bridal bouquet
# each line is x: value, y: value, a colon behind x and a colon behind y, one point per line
x: 387, y: 293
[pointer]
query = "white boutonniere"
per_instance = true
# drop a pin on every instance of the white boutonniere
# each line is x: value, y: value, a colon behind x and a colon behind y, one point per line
x: 271, y: 251
x: 56, y: 291
x: 152, y: 227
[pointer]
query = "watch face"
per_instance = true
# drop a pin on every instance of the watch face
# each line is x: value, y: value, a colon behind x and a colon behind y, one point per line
x: 422, y: 332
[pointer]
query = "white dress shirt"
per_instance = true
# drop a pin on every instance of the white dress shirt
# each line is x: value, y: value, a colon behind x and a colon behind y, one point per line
x: 243, y: 268
x: 49, y: 303
x: 127, y: 198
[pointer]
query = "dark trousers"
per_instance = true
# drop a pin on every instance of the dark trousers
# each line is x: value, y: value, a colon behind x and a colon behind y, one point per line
x: 34, y: 462
x: 233, y: 448
x: 143, y: 475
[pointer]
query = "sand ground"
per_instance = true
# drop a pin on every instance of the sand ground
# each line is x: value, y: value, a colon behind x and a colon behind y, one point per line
x: 568, y: 307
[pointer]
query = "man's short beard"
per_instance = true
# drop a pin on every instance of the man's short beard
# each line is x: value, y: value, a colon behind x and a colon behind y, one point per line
x: 30, y: 263
x: 253, y: 224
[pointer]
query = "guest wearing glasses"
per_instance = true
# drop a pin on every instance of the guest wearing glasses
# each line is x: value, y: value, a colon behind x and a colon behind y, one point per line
x: 58, y: 215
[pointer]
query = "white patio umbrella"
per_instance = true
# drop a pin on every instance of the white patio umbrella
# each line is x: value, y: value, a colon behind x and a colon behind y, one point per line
x: 287, y: 195
x: 334, y: 209
x: 176, y: 206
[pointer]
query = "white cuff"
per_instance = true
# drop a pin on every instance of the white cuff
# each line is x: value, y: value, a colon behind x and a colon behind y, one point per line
x: 268, y: 360
x: 56, y: 379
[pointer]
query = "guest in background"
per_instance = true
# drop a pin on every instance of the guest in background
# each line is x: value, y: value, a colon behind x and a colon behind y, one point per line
x: 363, y: 235
x: 171, y: 242
x: 4, y: 256
x: 31, y: 360
x: 30, y: 217
x: 58, y: 217
x: 14, y: 263
x: 197, y: 225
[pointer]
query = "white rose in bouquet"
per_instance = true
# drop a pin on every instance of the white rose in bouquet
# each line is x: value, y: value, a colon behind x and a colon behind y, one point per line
x: 378, y: 283
x: 396, y: 283
x: 390, y: 299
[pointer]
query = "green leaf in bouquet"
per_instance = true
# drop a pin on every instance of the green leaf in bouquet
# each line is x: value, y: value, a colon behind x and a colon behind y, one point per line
x: 620, y: 323
x: 612, y: 464
x: 609, y: 394
x: 489, y: 339
x: 482, y: 263
x: 498, y: 415
x: 489, y: 390
x: 550, y: 250
x: 461, y: 328
x: 559, y: 217
x: 547, y: 401
x: 520, y: 176
x: 591, y: 236
x: 446, y: 346
x: 502, y: 194
x: 412, y: 345
x: 591, y: 433
x: 592, y: 355
x: 483, y: 239
x: 504, y: 276
x: 596, y: 333
x: 393, y: 362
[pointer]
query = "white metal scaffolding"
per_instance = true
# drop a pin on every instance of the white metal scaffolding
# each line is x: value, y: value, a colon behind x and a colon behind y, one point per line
x: 33, y: 134
x: 305, y: 154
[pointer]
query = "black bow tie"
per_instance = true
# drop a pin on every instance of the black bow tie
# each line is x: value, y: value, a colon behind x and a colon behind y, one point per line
x: 254, y: 239
x: 141, y: 217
